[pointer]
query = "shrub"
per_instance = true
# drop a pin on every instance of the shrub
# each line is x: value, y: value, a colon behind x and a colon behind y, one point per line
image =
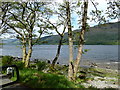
x: 7, y: 60
x: 41, y: 65
x: 19, y: 64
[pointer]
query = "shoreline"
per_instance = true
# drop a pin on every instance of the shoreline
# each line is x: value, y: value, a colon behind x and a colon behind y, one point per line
x: 95, y: 76
x: 113, y: 64
x: 99, y: 64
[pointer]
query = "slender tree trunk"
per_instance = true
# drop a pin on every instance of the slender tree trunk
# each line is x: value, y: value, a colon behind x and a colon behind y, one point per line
x: 24, y: 53
x: 58, y: 52
x: 29, y: 52
x: 70, y: 38
x: 28, y: 57
x: 81, y: 42
x: 71, y: 66
x: 77, y: 61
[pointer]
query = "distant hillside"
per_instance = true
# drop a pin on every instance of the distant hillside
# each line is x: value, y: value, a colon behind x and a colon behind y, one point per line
x: 10, y: 41
x: 105, y: 34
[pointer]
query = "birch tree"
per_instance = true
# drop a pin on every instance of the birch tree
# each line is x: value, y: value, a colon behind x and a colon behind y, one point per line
x: 70, y: 38
x: 81, y: 37
x: 21, y: 20
x: 60, y: 22
x: 58, y: 25
x: 112, y: 12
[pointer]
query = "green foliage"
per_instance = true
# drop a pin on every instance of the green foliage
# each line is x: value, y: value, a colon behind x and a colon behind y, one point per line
x: 19, y: 25
x: 79, y: 3
x: 1, y: 43
x: 32, y: 66
x: 36, y: 79
x: 41, y: 65
x: 7, y: 60
x: 14, y: 78
x: 19, y: 64
x: 85, y: 50
x: 0, y: 61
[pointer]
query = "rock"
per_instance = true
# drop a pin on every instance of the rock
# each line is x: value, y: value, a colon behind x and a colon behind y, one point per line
x: 108, y: 67
x: 65, y: 65
x: 93, y: 65
x: 82, y: 76
x: 35, y: 60
x: 83, y: 72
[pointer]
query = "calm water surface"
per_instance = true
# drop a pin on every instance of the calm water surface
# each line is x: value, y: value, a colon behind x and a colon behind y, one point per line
x: 95, y: 53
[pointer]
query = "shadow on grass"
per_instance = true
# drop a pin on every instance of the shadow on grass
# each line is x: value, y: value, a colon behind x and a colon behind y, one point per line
x: 36, y: 79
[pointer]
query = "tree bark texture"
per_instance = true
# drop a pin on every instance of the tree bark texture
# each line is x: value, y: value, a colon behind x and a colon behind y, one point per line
x: 29, y: 51
x: 81, y: 38
x: 24, y: 53
x: 28, y: 57
x: 70, y: 38
x: 58, y: 52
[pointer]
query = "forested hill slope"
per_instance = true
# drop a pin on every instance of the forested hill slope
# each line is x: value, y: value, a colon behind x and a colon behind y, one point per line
x: 105, y: 34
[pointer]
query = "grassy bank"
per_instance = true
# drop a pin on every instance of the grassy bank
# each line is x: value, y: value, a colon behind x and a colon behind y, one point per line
x: 39, y: 75
x: 34, y: 78
x: 37, y: 79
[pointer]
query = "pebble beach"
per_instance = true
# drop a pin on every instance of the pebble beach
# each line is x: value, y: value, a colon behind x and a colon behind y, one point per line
x: 103, y: 82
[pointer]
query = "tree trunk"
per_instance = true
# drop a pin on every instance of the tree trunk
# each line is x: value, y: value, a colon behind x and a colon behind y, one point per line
x: 70, y: 38
x: 29, y: 52
x: 28, y: 57
x: 77, y: 61
x: 58, y: 52
x: 24, y: 54
x: 81, y: 39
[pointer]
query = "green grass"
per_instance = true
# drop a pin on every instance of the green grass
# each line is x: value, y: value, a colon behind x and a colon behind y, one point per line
x: 37, y: 79
x: 107, y: 73
x: 34, y: 77
x: 14, y: 78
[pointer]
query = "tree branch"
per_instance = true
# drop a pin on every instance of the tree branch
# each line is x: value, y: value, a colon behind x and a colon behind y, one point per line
x: 39, y: 36
x: 95, y: 7
x: 55, y: 27
x: 28, y: 18
x: 14, y: 29
x: 18, y: 19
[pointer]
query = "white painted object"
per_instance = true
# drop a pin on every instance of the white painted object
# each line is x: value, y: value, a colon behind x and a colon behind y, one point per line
x: 10, y: 70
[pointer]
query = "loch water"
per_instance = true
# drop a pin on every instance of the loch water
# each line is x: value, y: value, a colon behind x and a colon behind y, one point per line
x: 43, y: 52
